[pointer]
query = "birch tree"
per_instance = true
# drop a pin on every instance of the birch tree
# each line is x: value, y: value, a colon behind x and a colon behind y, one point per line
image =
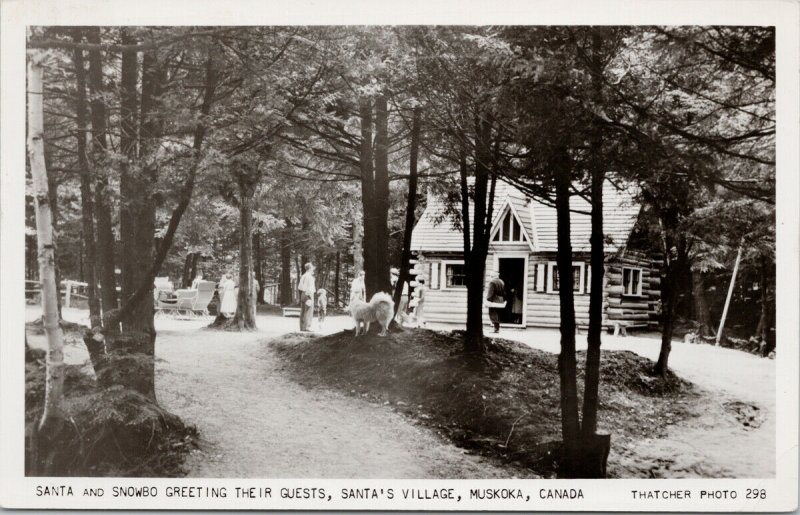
x: 52, y: 418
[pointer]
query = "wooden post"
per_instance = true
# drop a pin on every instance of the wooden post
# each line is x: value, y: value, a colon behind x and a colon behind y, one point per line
x: 730, y: 294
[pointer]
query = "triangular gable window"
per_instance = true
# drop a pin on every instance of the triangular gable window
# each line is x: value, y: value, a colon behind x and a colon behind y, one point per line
x: 509, y: 229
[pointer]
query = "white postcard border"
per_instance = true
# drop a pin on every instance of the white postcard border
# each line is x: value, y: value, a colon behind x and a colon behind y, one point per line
x: 609, y: 495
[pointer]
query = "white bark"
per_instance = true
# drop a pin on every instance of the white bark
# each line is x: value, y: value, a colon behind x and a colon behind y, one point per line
x: 54, y: 391
x: 730, y: 294
x: 358, y: 244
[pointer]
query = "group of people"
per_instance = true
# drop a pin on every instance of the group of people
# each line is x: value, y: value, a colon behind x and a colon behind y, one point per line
x: 312, y: 297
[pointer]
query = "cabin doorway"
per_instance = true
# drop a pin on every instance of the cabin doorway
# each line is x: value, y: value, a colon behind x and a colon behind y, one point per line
x: 512, y: 272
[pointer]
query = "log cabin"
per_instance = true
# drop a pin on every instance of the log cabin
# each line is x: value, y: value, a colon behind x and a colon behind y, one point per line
x: 522, y: 250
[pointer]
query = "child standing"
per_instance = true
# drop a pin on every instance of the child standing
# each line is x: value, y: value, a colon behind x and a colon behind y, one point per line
x: 322, y: 305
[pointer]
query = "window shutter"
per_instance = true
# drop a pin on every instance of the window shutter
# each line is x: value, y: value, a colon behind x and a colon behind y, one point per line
x: 588, y: 279
x: 541, y: 271
x: 434, y: 279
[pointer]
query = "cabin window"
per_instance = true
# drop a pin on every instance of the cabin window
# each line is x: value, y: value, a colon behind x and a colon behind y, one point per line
x: 455, y: 275
x: 578, y: 271
x: 631, y: 281
x: 509, y: 229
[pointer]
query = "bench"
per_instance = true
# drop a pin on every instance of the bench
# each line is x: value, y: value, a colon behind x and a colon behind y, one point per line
x: 621, y: 327
x: 605, y: 326
x: 291, y: 312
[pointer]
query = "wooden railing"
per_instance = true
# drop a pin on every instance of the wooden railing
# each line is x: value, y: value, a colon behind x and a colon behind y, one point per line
x: 68, y: 288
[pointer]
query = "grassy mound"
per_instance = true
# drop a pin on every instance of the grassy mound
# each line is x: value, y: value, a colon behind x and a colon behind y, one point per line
x: 111, y: 431
x: 504, y: 404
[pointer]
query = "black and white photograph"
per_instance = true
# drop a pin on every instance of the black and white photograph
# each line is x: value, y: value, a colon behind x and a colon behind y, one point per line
x: 334, y: 251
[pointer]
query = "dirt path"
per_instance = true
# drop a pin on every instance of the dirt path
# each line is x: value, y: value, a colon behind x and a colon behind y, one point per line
x: 258, y: 423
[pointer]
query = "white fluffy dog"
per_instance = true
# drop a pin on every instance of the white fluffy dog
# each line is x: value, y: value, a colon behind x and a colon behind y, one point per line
x: 380, y: 309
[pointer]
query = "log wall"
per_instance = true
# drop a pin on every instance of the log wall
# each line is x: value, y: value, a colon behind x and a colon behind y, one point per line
x: 542, y: 308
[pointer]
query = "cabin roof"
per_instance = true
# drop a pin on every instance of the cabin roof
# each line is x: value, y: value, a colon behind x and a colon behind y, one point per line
x: 436, y: 230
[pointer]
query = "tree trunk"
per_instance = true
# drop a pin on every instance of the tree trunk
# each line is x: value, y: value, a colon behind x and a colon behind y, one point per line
x: 411, y: 206
x: 257, y: 265
x: 674, y: 267
x: 286, y: 267
x: 189, y: 269
x: 473, y: 337
x: 701, y: 312
x: 336, y: 278
x: 383, y: 280
x: 87, y: 207
x: 187, y: 266
x: 731, y: 288
x: 299, y: 272
x: 128, y: 183
x: 82, y: 253
x: 594, y: 449
x: 52, y: 189
x: 594, y: 340
x: 358, y: 245
x: 765, y: 320
x: 132, y: 351
x: 245, y: 317
x: 322, y: 270
x: 667, y: 320
x: 570, y: 425
x: 465, y: 222
x: 137, y: 222
x: 304, y: 246
x: 368, y: 199
x: 590, y: 467
x: 52, y: 419
x: 105, y: 228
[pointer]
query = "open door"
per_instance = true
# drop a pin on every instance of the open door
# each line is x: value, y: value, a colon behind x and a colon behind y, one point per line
x: 512, y: 272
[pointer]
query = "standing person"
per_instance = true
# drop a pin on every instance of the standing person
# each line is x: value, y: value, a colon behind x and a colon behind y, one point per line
x: 497, y: 295
x: 516, y: 307
x: 307, y: 286
x: 419, y: 310
x: 256, y: 288
x: 227, y: 291
x: 358, y: 290
x: 322, y: 305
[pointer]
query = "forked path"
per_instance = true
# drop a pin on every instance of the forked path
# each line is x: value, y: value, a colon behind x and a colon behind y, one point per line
x: 259, y: 423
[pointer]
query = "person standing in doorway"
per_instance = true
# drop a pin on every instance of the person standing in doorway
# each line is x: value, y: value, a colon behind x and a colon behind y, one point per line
x: 307, y: 287
x: 516, y: 306
x: 496, y: 295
